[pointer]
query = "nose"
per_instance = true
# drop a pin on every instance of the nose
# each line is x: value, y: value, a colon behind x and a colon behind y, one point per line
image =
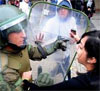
x: 23, y: 34
x: 63, y: 10
x: 77, y: 47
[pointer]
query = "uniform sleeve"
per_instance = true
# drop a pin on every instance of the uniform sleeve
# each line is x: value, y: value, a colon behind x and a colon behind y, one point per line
x: 11, y: 80
x: 11, y: 75
x: 35, y: 54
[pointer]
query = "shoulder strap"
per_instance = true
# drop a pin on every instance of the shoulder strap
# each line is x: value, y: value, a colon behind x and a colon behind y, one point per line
x: 3, y: 61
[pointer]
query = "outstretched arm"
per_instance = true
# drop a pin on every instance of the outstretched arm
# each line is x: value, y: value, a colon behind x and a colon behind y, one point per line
x: 40, y: 52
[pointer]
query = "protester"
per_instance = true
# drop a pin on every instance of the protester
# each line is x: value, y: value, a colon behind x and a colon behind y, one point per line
x: 2, y: 2
x: 78, y: 4
x: 89, y: 8
x: 17, y: 3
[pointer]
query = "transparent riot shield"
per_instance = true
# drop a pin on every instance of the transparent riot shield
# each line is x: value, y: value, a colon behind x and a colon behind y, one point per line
x: 47, y: 20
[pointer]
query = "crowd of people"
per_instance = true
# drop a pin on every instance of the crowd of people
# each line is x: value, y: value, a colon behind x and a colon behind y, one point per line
x: 24, y: 5
x: 87, y: 6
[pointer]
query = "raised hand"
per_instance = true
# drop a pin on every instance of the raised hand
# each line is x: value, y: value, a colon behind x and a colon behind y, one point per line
x: 39, y: 38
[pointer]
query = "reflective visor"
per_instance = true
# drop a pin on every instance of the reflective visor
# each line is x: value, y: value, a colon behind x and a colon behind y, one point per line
x: 13, y: 21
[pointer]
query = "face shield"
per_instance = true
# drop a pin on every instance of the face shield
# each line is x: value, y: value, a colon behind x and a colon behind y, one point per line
x: 43, y: 19
x: 14, y: 31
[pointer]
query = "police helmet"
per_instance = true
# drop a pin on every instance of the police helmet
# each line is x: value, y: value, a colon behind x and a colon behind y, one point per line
x: 11, y: 20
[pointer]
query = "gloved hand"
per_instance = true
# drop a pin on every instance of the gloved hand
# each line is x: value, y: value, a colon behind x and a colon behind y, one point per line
x: 60, y: 43
x: 44, y: 79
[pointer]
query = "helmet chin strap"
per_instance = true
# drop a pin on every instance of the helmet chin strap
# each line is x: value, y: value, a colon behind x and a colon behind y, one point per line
x: 16, y: 48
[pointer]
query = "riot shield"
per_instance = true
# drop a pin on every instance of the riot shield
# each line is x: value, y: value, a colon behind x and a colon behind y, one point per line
x: 47, y: 19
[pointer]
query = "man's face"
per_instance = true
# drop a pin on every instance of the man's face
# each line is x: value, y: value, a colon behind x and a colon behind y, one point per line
x: 63, y: 13
x: 17, y: 38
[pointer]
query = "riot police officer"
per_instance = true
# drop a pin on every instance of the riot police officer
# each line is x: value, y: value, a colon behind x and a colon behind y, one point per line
x: 15, y: 51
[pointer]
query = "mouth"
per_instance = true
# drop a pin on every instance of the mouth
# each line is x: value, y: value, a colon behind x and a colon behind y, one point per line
x: 23, y: 41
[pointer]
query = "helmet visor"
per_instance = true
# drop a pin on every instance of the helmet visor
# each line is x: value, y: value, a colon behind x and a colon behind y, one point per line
x: 17, y: 34
x: 15, y: 30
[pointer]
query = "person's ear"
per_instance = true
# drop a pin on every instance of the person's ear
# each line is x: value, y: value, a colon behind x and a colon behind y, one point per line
x: 92, y: 60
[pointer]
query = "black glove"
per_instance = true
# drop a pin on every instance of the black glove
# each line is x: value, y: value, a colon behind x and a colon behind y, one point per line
x: 60, y: 43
